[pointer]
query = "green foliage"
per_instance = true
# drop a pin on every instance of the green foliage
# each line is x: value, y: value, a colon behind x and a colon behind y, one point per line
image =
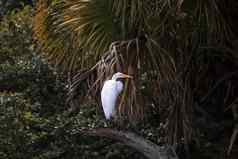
x: 30, y: 92
x: 18, y: 126
x: 26, y: 134
x: 15, y: 35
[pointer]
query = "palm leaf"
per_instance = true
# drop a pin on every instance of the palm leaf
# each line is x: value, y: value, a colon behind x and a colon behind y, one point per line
x: 56, y: 46
x: 158, y: 41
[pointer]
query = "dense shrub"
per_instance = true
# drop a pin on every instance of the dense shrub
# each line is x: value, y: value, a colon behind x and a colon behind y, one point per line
x: 31, y: 93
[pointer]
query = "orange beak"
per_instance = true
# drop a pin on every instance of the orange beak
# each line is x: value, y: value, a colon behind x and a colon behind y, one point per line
x: 126, y: 76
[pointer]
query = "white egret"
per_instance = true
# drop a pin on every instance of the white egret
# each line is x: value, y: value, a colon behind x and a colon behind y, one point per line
x: 110, y: 91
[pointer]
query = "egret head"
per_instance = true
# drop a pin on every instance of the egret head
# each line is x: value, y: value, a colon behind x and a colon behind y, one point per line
x: 119, y: 75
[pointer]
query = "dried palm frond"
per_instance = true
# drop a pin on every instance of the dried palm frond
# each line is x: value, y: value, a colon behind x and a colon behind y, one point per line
x: 93, y: 24
x: 111, y: 62
x: 209, y: 18
x: 59, y: 47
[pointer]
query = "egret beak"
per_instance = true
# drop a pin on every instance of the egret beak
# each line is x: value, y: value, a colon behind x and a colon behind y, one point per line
x: 126, y: 76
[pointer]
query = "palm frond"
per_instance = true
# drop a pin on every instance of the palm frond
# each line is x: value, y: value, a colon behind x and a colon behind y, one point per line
x: 59, y: 47
x: 93, y: 24
x: 158, y: 41
x: 209, y: 17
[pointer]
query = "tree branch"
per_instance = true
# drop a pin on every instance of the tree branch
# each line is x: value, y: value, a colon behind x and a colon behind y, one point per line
x: 140, y: 144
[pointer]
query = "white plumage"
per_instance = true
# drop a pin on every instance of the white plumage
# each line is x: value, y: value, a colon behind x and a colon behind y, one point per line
x: 110, y: 92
